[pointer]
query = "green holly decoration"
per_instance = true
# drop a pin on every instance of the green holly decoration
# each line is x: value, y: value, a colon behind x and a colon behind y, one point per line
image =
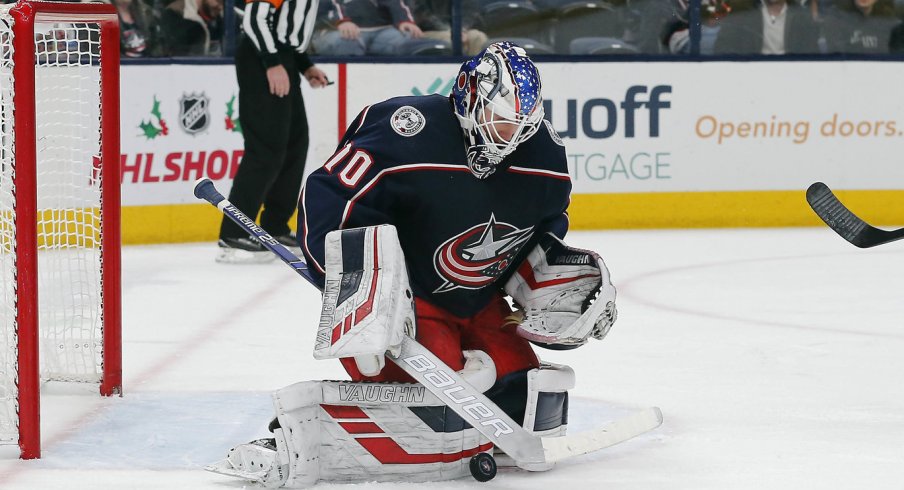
x: 149, y: 130
x: 232, y: 124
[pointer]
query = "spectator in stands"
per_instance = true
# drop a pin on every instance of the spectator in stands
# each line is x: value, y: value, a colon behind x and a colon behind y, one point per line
x: 896, y: 43
x: 135, y: 20
x: 860, y: 26
x: 768, y: 27
x: 193, y: 27
x: 644, y: 23
x: 818, y: 8
x: 367, y: 27
x: 676, y: 34
x: 435, y: 19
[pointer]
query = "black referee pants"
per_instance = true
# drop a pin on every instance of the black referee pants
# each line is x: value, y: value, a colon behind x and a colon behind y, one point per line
x: 276, y: 145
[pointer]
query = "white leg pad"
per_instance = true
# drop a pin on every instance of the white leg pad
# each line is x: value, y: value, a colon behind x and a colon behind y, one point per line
x: 298, y: 414
x: 548, y: 379
x: 545, y: 408
x: 355, y: 432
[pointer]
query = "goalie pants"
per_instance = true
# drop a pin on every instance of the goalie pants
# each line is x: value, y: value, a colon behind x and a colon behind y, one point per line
x: 447, y: 335
x: 276, y: 144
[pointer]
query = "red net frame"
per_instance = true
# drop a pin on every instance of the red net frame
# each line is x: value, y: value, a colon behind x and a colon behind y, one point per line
x: 26, y: 15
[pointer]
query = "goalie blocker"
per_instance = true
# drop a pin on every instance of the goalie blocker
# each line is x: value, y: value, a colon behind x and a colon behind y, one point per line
x: 368, y: 306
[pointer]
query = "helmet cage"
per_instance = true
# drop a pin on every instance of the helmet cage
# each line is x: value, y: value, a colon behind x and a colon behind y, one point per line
x: 497, y: 107
x: 497, y: 90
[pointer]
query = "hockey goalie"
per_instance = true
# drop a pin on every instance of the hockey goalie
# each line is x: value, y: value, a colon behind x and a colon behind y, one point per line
x: 431, y: 213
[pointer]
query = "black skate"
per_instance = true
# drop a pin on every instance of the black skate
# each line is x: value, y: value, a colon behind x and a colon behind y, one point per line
x: 242, y: 251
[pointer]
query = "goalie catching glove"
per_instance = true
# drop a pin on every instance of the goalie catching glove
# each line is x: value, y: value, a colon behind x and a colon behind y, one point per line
x: 564, y: 295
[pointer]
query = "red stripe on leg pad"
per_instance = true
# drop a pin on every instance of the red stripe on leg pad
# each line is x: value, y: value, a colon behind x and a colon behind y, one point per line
x: 387, y: 451
x: 361, y: 427
x: 348, y: 325
x: 344, y: 412
x: 368, y: 306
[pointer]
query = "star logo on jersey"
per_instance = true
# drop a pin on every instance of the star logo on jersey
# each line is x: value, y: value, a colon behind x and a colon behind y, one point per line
x: 479, y: 255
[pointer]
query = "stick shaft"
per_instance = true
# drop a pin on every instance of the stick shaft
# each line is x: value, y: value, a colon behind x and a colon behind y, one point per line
x: 204, y: 189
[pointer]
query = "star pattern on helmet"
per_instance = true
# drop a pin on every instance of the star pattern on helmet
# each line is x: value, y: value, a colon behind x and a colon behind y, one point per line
x: 526, y: 78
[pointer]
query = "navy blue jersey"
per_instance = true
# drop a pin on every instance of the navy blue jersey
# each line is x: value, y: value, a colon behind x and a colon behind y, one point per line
x: 403, y: 162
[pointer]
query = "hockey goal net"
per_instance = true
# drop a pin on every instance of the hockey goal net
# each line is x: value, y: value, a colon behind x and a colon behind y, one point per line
x: 59, y: 207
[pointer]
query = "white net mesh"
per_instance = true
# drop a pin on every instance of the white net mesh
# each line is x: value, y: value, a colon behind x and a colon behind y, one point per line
x: 67, y: 99
x: 67, y: 94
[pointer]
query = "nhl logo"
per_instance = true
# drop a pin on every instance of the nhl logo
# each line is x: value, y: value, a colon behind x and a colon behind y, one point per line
x: 407, y: 121
x: 194, y: 113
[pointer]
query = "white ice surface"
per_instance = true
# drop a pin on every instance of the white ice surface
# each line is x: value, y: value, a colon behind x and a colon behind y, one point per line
x: 776, y: 356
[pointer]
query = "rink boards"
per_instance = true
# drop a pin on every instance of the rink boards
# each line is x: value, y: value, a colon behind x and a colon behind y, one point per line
x: 649, y: 145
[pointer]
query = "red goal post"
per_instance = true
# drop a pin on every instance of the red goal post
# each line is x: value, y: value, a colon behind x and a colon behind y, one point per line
x: 60, y: 299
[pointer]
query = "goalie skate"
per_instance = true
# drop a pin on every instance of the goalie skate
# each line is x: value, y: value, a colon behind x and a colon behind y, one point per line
x: 242, y: 251
x: 256, y: 461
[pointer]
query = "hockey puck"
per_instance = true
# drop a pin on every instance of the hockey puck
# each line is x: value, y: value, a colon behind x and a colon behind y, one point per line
x: 483, y: 467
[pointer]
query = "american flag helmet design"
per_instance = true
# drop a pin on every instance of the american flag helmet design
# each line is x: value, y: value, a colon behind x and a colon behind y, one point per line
x: 498, y: 103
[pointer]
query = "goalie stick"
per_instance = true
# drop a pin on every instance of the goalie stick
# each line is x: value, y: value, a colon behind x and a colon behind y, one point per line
x: 529, y: 451
x: 844, y: 222
x: 204, y: 189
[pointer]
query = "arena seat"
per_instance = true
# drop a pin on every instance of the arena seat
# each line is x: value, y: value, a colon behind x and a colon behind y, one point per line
x: 515, y: 18
x: 532, y: 46
x: 425, y: 47
x: 601, y: 45
x: 586, y: 18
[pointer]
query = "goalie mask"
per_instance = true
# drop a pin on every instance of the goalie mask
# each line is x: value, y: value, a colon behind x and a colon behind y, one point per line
x: 498, y: 104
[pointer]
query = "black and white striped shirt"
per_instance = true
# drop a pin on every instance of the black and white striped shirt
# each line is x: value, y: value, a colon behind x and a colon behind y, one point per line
x: 269, y: 23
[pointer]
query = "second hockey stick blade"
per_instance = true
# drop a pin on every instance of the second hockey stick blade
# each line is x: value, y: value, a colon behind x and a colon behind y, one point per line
x: 846, y: 223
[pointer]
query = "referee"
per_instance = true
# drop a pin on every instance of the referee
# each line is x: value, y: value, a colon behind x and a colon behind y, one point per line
x: 268, y: 63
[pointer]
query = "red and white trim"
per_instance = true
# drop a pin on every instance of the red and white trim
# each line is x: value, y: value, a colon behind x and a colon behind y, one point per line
x: 382, y: 446
x: 365, y: 308
x: 526, y: 272
x: 394, y: 170
x: 539, y: 173
x: 363, y: 117
x: 304, y: 234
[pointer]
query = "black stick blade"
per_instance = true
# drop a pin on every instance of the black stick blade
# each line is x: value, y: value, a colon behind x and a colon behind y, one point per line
x: 844, y: 222
x: 838, y: 217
